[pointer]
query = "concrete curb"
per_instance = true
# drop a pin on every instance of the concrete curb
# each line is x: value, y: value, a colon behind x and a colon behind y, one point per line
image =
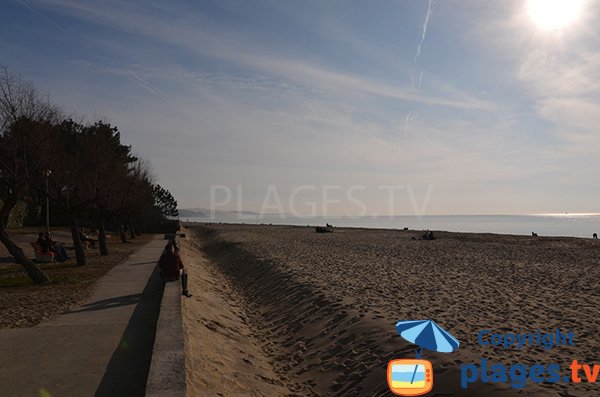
x: 167, y: 375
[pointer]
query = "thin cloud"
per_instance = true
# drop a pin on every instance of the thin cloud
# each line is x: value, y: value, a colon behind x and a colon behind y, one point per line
x: 213, y: 44
x: 53, y: 23
x: 243, y: 108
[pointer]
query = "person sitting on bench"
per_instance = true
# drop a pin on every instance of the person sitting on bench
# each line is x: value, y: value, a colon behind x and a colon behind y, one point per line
x: 57, y: 248
x: 171, y: 268
x: 85, y: 238
x: 43, y: 243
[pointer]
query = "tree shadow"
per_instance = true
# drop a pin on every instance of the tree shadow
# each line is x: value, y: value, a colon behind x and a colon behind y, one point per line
x: 103, y: 304
x: 142, y: 263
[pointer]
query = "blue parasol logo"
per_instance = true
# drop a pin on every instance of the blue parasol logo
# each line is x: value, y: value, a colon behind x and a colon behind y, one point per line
x: 427, y: 335
x: 408, y: 377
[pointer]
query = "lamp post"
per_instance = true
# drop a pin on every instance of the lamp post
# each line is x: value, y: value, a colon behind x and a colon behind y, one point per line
x: 48, y: 173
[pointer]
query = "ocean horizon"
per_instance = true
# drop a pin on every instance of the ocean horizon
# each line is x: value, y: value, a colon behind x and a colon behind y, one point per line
x: 567, y: 225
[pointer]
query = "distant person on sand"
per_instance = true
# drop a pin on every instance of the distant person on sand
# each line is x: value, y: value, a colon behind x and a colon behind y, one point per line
x: 595, y: 236
x: 428, y: 235
x: 171, y: 267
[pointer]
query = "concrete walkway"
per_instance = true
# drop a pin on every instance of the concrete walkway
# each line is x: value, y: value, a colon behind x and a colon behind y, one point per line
x: 102, y: 348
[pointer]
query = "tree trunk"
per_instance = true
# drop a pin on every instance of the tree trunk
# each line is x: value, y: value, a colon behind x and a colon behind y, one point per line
x: 102, y: 242
x: 33, y: 271
x: 79, y: 253
x: 136, y: 228
x: 131, y: 231
x: 122, y: 233
x: 141, y: 227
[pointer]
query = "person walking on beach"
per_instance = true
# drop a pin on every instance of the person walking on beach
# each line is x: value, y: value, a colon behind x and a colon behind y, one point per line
x: 171, y: 268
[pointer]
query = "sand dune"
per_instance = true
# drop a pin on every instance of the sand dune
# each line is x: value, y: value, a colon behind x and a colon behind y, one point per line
x: 223, y: 357
x: 317, y: 312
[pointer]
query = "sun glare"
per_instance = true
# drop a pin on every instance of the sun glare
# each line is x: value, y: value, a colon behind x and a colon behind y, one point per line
x: 554, y: 14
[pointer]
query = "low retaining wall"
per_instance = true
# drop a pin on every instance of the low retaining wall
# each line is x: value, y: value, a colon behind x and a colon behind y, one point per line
x: 167, y: 371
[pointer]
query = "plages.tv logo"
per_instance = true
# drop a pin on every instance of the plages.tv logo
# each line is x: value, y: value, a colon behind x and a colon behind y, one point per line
x: 414, y: 377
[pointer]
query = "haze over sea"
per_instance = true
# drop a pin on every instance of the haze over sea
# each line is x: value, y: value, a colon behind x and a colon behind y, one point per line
x: 571, y: 225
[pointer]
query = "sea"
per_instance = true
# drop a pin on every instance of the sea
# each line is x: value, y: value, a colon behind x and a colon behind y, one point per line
x: 568, y: 225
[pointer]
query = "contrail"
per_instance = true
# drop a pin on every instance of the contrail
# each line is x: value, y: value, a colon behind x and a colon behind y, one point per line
x: 407, y: 120
x: 135, y: 77
x: 145, y: 84
x: 411, y: 114
x: 50, y: 21
x: 423, y: 35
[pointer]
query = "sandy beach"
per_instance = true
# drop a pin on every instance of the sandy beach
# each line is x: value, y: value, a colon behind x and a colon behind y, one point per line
x: 282, y: 310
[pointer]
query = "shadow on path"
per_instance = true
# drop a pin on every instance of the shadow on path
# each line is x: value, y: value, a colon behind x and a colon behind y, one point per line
x: 128, y: 367
x: 109, y: 303
x: 142, y: 263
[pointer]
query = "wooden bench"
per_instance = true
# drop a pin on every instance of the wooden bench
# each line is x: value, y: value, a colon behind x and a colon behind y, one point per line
x: 97, y: 237
x: 41, y: 256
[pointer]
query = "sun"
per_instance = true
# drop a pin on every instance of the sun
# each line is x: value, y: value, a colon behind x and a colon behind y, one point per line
x: 554, y: 14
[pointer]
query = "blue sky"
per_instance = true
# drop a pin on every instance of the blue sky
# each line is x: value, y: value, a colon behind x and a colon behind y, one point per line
x: 494, y: 114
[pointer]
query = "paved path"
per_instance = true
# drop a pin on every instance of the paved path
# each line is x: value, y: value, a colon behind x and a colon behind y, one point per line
x: 102, y: 348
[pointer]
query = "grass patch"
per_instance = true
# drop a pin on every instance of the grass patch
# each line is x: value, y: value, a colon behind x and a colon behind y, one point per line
x: 11, y: 282
x: 23, y: 304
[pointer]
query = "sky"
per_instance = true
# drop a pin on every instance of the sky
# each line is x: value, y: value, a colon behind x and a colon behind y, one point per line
x: 340, y: 107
